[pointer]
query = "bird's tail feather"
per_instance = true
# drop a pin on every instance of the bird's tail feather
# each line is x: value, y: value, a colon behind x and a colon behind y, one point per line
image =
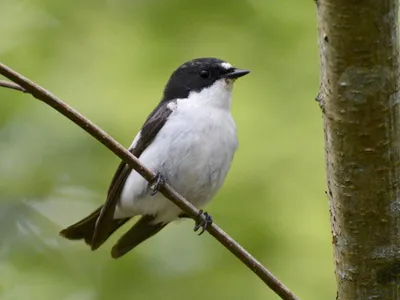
x: 85, y: 228
x: 140, y: 231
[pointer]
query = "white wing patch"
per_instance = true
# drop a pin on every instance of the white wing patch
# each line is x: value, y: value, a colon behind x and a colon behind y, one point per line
x: 226, y: 65
x: 172, y: 105
x: 133, y: 145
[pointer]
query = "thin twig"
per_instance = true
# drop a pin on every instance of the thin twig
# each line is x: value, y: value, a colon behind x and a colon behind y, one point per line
x: 25, y: 85
x: 12, y: 85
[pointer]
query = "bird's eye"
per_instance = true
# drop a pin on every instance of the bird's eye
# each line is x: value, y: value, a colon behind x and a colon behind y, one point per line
x: 204, y: 74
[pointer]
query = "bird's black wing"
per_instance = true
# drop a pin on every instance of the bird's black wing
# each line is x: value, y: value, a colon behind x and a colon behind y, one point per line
x: 105, y: 224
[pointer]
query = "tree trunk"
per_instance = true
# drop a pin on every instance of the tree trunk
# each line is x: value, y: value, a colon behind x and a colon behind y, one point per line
x: 359, y: 97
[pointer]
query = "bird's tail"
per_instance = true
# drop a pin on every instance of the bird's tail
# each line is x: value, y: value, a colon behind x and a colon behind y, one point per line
x: 140, y: 231
x: 84, y: 229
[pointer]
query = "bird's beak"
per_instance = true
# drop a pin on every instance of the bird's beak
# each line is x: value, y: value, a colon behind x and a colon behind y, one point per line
x: 236, y: 73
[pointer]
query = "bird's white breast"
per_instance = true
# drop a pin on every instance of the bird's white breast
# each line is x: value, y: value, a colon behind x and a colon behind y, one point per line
x: 201, y: 142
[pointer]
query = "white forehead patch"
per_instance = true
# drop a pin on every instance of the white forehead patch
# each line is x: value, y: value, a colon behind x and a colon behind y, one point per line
x: 226, y: 65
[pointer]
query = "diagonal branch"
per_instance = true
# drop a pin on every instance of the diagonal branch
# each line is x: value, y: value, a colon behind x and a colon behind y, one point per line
x: 23, y: 84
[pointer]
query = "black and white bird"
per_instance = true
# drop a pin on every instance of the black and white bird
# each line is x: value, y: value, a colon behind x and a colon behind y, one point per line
x: 189, y: 141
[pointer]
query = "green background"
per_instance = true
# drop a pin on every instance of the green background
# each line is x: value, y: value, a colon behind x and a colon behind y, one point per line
x: 110, y: 60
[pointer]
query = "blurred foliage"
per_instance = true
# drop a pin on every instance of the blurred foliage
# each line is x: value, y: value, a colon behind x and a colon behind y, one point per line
x: 110, y: 60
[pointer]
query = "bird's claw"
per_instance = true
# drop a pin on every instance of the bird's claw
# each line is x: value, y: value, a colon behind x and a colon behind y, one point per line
x: 203, y: 223
x: 156, y: 183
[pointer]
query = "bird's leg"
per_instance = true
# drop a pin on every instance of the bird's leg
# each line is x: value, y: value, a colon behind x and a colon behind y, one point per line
x: 156, y: 183
x: 203, y: 223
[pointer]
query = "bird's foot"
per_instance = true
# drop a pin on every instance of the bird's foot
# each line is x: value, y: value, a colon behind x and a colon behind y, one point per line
x: 203, y: 223
x: 156, y: 183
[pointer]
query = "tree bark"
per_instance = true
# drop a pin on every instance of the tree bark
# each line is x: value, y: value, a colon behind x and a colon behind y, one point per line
x: 359, y: 97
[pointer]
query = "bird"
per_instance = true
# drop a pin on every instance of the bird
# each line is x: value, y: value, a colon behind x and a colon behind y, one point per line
x: 188, y: 140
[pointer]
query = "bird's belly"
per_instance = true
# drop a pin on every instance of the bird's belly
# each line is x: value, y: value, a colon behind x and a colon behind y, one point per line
x: 196, y: 173
x: 200, y: 155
